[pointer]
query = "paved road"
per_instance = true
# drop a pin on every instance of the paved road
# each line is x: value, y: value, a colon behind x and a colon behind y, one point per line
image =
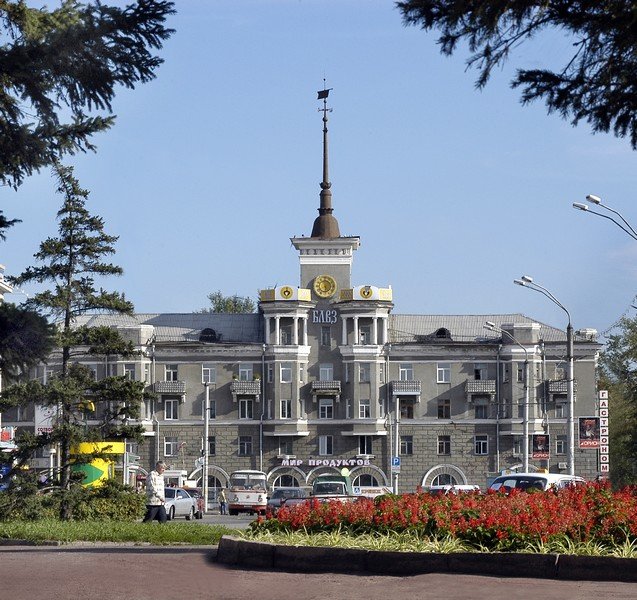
x: 130, y: 573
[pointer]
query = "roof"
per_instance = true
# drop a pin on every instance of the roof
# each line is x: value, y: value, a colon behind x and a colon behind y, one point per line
x: 462, y: 328
x: 187, y: 327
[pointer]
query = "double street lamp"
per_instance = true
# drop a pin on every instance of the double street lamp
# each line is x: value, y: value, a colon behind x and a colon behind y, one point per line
x: 624, y: 225
x: 526, y: 281
x: 525, y: 412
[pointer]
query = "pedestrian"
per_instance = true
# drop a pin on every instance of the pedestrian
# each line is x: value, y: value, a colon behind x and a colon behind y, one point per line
x: 223, y: 502
x: 156, y: 498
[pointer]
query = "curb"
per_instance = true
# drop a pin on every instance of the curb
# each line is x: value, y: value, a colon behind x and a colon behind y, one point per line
x: 234, y: 551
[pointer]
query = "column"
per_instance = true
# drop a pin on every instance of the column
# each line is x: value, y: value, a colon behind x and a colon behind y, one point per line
x: 356, y: 333
x: 305, y: 331
x: 267, y: 330
x: 344, y: 335
x: 277, y: 331
x: 295, y: 332
x: 385, y: 329
x: 374, y: 330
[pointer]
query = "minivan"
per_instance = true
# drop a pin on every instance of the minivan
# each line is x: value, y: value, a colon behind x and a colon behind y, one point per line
x: 534, y: 481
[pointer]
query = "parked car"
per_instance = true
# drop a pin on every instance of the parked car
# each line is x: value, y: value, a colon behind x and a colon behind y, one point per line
x: 282, y: 495
x: 529, y: 482
x: 453, y: 489
x: 179, y: 503
x: 198, y: 496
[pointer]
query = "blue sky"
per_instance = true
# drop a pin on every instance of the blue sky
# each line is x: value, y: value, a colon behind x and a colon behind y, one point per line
x: 212, y: 167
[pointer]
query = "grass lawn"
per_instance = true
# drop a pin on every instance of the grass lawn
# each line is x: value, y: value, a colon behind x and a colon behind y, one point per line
x: 112, y: 531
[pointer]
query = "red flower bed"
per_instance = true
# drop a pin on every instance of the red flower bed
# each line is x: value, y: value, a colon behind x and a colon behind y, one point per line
x: 492, y: 520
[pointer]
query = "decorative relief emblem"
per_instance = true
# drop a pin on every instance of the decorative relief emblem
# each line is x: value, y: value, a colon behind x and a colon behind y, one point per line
x: 366, y: 292
x: 286, y: 292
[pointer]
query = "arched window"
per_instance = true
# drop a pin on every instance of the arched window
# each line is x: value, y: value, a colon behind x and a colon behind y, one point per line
x: 365, y: 480
x: 443, y: 333
x: 286, y: 481
x: 444, y: 479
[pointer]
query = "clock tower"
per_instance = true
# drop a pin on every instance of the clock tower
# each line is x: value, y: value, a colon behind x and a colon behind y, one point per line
x: 326, y: 257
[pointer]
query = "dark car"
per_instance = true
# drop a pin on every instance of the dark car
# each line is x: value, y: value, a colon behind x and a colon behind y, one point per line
x: 281, y: 495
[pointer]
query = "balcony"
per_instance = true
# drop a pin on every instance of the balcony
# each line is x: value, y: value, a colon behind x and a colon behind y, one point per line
x: 245, y: 388
x: 406, y: 388
x: 326, y: 388
x: 558, y: 387
x: 290, y: 429
x: 480, y: 387
x: 170, y: 387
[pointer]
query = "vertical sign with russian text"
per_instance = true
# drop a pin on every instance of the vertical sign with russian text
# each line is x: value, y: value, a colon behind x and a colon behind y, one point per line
x: 604, y: 462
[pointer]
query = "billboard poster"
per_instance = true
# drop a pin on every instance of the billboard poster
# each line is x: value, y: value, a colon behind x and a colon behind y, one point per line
x: 588, y: 432
x: 540, y: 445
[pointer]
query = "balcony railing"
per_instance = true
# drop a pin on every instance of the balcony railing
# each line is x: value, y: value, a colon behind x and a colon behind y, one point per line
x: 245, y: 388
x: 170, y: 387
x: 480, y: 387
x: 559, y: 386
x: 326, y: 388
x: 406, y: 388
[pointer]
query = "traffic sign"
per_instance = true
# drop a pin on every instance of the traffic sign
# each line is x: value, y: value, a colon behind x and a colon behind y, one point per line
x: 395, y: 464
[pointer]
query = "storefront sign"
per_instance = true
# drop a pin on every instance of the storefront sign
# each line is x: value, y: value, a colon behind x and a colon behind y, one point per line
x: 326, y: 462
x: 327, y: 316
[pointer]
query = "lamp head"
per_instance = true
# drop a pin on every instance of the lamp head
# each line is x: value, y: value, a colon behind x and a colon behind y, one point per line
x: 580, y: 206
x: 594, y: 199
x: 519, y: 282
x: 489, y: 325
x: 527, y: 278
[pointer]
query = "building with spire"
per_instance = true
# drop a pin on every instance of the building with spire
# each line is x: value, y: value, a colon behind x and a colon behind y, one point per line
x: 325, y: 376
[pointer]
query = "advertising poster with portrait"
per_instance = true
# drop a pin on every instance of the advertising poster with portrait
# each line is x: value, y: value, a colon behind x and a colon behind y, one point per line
x: 540, y: 445
x: 589, y: 432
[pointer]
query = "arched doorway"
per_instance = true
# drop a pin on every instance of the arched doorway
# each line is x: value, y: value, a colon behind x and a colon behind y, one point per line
x: 365, y: 479
x: 285, y: 481
x: 444, y: 475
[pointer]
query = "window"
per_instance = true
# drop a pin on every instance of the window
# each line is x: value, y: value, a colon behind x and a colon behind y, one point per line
x: 245, y: 372
x: 286, y: 372
x: 444, y: 408
x: 301, y: 373
x: 365, y: 335
x: 212, y: 414
x: 443, y: 373
x: 364, y: 372
x: 326, y: 408
x: 170, y: 372
x: 560, y: 371
x: 444, y: 444
x: 171, y: 446
x: 129, y: 371
x: 208, y: 373
x: 286, y: 447
x: 406, y: 372
x: 364, y: 409
x: 286, y: 335
x: 406, y: 410
x: 560, y: 407
x: 171, y: 408
x: 406, y: 444
x: 246, y: 408
x: 365, y: 444
x: 480, y: 371
x: 245, y: 445
x: 326, y: 372
x: 481, y: 407
x: 326, y: 336
x: 520, y: 372
x: 111, y: 370
x: 560, y: 444
x: 270, y: 373
x: 326, y: 447
x: 286, y: 408
x: 212, y: 445
x: 517, y: 445
x: 481, y: 445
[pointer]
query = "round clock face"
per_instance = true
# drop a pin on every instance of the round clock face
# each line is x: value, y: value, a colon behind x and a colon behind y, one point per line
x: 324, y: 286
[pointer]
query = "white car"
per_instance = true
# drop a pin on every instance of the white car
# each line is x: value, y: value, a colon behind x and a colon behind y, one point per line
x: 179, y: 503
x: 534, y: 481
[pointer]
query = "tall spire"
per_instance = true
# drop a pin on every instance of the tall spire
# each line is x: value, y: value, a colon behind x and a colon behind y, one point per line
x: 325, y: 225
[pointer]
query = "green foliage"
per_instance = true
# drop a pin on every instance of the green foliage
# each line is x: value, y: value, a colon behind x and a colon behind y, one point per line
x: 618, y: 374
x: 58, y: 65
x: 110, y: 502
x: 26, y: 338
x: 596, y: 83
x: 229, y: 304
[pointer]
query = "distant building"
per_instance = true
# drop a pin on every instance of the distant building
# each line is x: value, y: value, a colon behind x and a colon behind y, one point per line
x: 325, y: 376
x: 5, y: 288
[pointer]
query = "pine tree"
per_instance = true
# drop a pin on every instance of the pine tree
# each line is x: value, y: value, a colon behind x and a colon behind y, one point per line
x: 69, y: 264
x: 597, y: 82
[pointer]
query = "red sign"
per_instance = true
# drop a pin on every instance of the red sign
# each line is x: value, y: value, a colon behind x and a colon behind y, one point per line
x: 589, y: 432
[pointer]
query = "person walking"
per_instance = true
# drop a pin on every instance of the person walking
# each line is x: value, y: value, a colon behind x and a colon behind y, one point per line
x: 223, y: 500
x: 155, y: 495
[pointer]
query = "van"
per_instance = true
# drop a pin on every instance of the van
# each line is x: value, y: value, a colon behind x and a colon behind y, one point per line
x: 534, y: 481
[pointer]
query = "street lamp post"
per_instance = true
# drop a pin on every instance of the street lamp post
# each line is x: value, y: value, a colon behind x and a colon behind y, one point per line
x: 526, y: 281
x: 525, y: 411
x: 206, y: 434
x: 625, y: 226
